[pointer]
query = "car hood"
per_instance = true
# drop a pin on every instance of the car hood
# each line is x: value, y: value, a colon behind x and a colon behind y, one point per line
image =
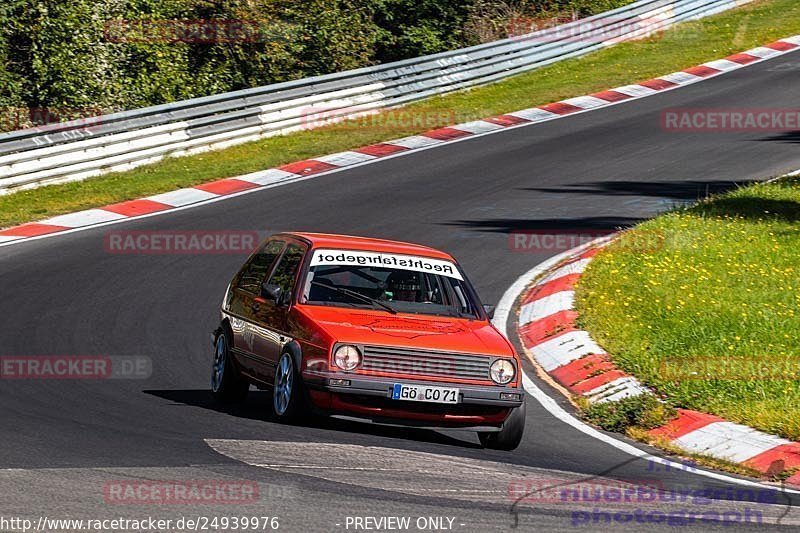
x: 358, y: 326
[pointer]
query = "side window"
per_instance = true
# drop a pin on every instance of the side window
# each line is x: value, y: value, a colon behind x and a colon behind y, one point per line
x: 259, y: 266
x: 286, y: 271
x: 462, y: 300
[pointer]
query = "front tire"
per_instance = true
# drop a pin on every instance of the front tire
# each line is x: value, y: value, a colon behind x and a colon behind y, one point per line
x: 509, y: 436
x: 227, y: 385
x: 287, y: 390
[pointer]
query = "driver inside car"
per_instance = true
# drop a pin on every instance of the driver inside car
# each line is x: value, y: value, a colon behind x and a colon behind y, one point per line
x: 404, y: 286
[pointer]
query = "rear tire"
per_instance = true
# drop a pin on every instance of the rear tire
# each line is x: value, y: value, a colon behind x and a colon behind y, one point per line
x: 227, y: 384
x: 509, y: 436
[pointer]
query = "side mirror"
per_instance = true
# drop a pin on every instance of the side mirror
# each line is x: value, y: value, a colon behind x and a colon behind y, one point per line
x: 489, y: 310
x: 271, y: 292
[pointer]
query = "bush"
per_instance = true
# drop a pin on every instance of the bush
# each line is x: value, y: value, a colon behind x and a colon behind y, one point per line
x: 411, y: 28
x: 77, y: 57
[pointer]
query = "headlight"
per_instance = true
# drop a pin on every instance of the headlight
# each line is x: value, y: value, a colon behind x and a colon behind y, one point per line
x: 502, y: 371
x: 347, y: 357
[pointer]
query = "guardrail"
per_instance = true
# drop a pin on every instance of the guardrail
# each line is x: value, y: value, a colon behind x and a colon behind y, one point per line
x: 79, y: 149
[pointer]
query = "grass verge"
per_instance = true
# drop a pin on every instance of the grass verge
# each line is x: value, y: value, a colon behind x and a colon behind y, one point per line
x: 684, y: 46
x: 642, y: 412
x: 708, y: 314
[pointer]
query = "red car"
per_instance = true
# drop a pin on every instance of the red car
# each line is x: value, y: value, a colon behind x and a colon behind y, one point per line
x: 380, y: 330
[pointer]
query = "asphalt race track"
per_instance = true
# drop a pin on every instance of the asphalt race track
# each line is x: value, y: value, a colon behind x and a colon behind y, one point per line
x: 61, y: 441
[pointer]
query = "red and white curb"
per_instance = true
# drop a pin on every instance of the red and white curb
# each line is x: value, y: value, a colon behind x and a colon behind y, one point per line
x: 547, y: 329
x: 230, y: 187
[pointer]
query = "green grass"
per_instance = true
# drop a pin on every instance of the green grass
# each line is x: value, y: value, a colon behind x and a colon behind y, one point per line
x: 703, y: 305
x: 642, y: 412
x: 684, y: 46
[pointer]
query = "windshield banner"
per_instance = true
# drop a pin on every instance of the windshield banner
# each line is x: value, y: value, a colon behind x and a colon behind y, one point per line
x: 383, y: 260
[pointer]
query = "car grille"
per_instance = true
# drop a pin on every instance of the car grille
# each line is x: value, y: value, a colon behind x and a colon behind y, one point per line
x: 391, y: 360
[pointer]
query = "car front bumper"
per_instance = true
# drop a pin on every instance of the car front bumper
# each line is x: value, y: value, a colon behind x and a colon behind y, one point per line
x: 371, y: 398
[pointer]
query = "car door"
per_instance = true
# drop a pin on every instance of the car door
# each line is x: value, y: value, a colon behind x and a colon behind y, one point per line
x: 271, y: 316
x: 245, y: 303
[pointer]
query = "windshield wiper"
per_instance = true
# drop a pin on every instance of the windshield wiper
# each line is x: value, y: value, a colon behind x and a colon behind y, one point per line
x: 358, y: 295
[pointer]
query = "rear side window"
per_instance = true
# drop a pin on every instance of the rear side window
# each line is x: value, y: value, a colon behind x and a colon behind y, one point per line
x: 259, y: 266
x: 286, y: 271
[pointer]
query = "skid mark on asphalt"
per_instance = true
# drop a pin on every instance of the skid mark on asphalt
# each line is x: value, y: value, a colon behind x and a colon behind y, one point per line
x: 403, y: 471
x: 466, y: 479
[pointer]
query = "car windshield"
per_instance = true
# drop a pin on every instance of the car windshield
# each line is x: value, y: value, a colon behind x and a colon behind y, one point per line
x: 389, y: 282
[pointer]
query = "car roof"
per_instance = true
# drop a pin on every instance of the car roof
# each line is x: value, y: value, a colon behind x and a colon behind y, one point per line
x: 352, y: 242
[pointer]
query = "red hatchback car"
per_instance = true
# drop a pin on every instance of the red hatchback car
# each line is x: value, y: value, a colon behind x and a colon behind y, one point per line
x: 367, y: 328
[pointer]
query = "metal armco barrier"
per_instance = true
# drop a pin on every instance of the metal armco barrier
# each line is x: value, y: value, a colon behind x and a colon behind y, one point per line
x: 79, y: 149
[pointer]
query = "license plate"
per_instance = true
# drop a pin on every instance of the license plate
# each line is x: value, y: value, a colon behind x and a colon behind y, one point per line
x: 423, y: 393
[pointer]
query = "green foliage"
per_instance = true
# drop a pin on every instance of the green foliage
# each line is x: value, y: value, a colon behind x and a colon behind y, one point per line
x: 583, y: 7
x: 643, y: 411
x: 84, y: 57
x: 410, y: 28
x: 10, y: 69
x: 336, y: 35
